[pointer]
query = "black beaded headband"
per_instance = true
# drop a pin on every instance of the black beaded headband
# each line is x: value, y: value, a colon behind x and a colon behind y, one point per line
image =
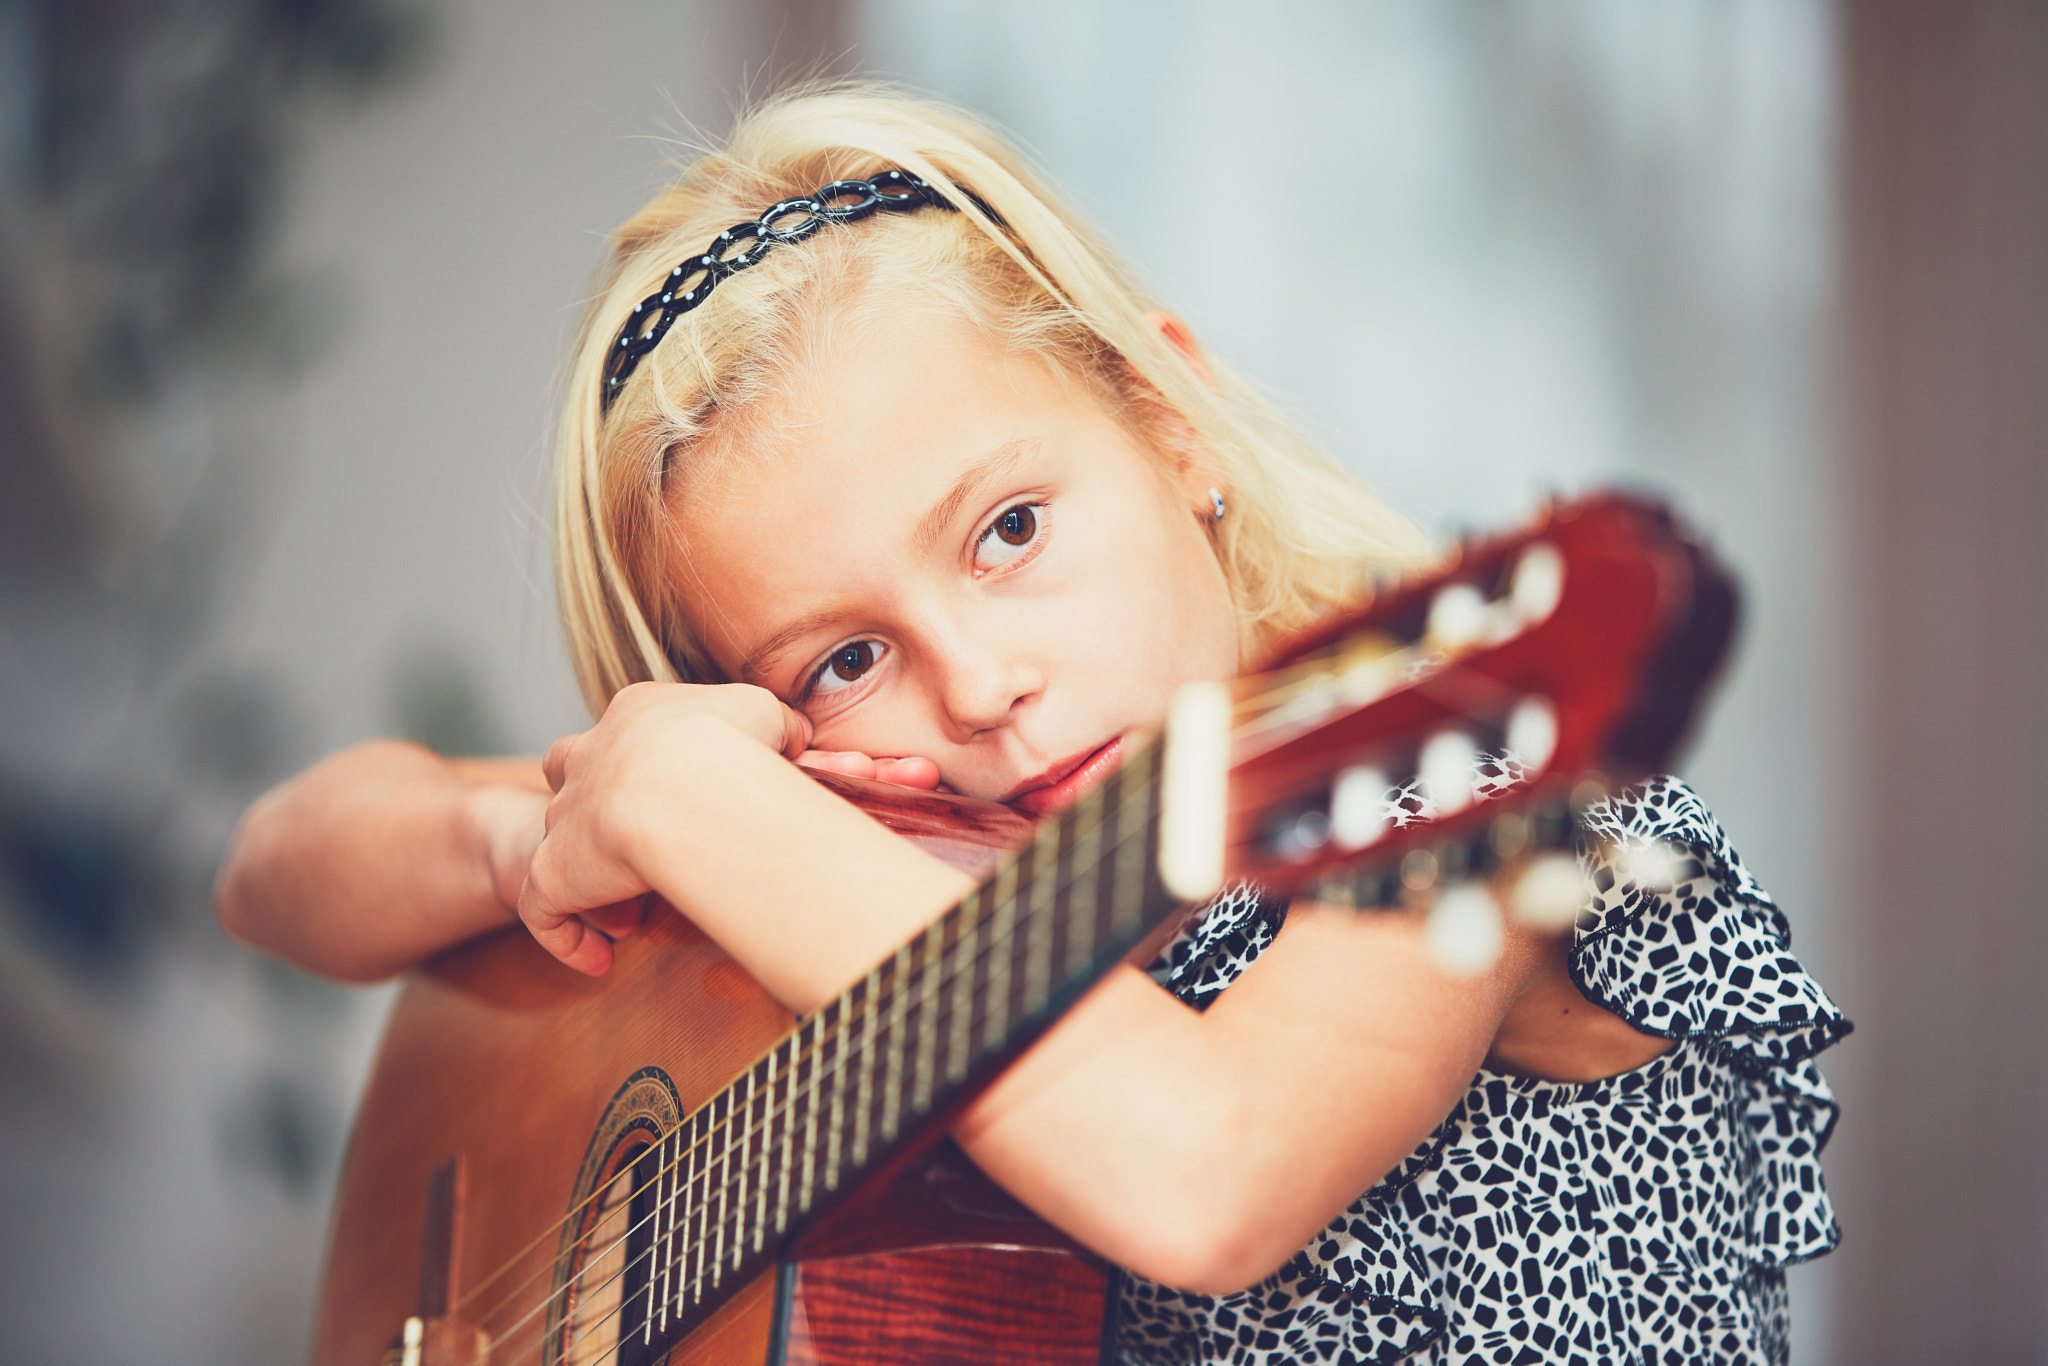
x: 843, y: 201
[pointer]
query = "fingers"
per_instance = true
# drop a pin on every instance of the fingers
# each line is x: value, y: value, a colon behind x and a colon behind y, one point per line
x: 619, y: 919
x: 796, y: 730
x: 918, y: 773
x: 568, y: 938
x: 922, y: 774
x: 555, y: 763
x: 849, y: 762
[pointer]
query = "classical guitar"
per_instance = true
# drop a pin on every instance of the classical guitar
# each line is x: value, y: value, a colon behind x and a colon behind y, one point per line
x: 664, y: 1165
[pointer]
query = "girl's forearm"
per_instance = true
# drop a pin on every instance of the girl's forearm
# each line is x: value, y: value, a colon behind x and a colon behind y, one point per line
x: 801, y: 887
x: 1196, y: 1149
x: 376, y: 857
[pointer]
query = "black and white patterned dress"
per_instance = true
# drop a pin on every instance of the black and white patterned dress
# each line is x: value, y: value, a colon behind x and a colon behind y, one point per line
x: 1645, y: 1217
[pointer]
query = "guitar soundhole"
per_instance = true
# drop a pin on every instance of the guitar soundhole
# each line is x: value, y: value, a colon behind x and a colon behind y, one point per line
x: 605, y: 1305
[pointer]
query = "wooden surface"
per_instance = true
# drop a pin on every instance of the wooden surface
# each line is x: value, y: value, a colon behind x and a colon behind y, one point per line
x: 948, y: 1306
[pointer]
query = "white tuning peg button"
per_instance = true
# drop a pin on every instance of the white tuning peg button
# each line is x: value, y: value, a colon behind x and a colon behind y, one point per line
x: 1447, y: 766
x: 1538, y: 583
x: 1457, y: 617
x: 1358, y: 806
x: 1463, y: 933
x: 1532, y: 734
x: 1549, y: 893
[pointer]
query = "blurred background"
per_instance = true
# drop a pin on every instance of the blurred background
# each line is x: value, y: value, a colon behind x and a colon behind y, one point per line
x: 283, y: 287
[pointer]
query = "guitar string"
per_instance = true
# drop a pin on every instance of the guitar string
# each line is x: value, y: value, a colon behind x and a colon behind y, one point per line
x: 949, y: 962
x: 836, y: 1072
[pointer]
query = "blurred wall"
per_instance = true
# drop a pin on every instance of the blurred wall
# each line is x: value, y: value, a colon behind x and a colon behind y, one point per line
x: 1486, y: 251
x: 1943, y: 477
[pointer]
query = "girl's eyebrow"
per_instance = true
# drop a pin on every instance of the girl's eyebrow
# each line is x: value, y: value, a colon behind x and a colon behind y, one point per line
x: 985, y: 470
x: 756, y: 664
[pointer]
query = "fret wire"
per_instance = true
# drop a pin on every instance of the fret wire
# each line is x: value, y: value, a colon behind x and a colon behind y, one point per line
x: 864, y: 1068
x: 811, y: 1114
x: 665, y: 1227
x: 963, y: 989
x: 740, y: 1201
x: 717, y: 1257
x: 892, y: 1081
x: 689, y: 1207
x: 1039, y: 923
x: 767, y: 1153
x: 1128, y: 873
x: 843, y: 1005
x: 995, y: 1020
x: 1080, y: 929
x: 927, y: 1037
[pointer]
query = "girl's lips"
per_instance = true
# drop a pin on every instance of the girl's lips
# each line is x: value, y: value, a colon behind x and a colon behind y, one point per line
x: 1070, y: 779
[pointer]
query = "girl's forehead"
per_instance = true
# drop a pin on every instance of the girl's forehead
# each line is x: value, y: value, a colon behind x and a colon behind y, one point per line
x: 868, y: 420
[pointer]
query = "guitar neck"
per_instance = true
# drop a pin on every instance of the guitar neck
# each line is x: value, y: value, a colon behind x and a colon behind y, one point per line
x: 844, y: 1092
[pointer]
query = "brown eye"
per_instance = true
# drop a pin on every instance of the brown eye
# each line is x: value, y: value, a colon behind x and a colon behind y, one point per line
x: 853, y: 660
x: 1017, y: 526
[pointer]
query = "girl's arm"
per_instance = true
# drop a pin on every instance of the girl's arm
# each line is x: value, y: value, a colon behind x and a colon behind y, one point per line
x: 376, y: 857
x: 1203, y: 1150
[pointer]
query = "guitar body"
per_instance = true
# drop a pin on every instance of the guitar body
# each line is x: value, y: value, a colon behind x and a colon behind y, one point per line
x: 507, y: 1064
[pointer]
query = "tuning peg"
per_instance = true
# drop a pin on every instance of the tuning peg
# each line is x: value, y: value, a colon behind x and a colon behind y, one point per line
x: 1549, y: 892
x: 1463, y: 931
x: 1358, y: 806
x: 1532, y: 734
x: 1538, y: 583
x: 1457, y: 617
x: 1448, y: 763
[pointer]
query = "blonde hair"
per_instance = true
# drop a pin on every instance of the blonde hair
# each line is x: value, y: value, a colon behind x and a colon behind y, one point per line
x: 1301, y: 537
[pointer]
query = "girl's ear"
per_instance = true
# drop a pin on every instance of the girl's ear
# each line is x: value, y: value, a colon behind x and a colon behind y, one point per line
x: 1176, y: 334
x: 1195, y: 467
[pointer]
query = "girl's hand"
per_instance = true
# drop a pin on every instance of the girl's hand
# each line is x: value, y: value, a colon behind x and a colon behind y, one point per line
x: 615, y: 785
x: 922, y: 774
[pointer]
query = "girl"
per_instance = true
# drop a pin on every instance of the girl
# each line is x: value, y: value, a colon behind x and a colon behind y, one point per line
x: 933, y: 493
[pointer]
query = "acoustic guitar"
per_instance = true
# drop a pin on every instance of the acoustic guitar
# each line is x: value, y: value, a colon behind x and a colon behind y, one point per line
x: 662, y: 1165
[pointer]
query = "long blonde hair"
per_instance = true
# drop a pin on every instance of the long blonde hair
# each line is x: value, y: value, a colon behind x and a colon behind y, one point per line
x: 1301, y: 535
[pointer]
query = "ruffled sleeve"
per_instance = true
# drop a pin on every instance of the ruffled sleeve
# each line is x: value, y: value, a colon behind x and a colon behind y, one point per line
x: 1678, y: 939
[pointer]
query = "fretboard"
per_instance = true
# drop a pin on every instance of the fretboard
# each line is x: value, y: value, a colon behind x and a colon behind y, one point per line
x: 845, y: 1090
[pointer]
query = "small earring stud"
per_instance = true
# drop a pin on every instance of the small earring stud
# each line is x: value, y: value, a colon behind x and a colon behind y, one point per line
x: 1216, y: 504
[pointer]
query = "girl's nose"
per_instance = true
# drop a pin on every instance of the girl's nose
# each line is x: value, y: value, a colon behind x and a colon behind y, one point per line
x: 981, y: 690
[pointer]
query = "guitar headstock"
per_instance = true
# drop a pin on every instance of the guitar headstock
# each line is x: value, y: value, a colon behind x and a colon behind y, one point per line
x: 1575, y: 653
